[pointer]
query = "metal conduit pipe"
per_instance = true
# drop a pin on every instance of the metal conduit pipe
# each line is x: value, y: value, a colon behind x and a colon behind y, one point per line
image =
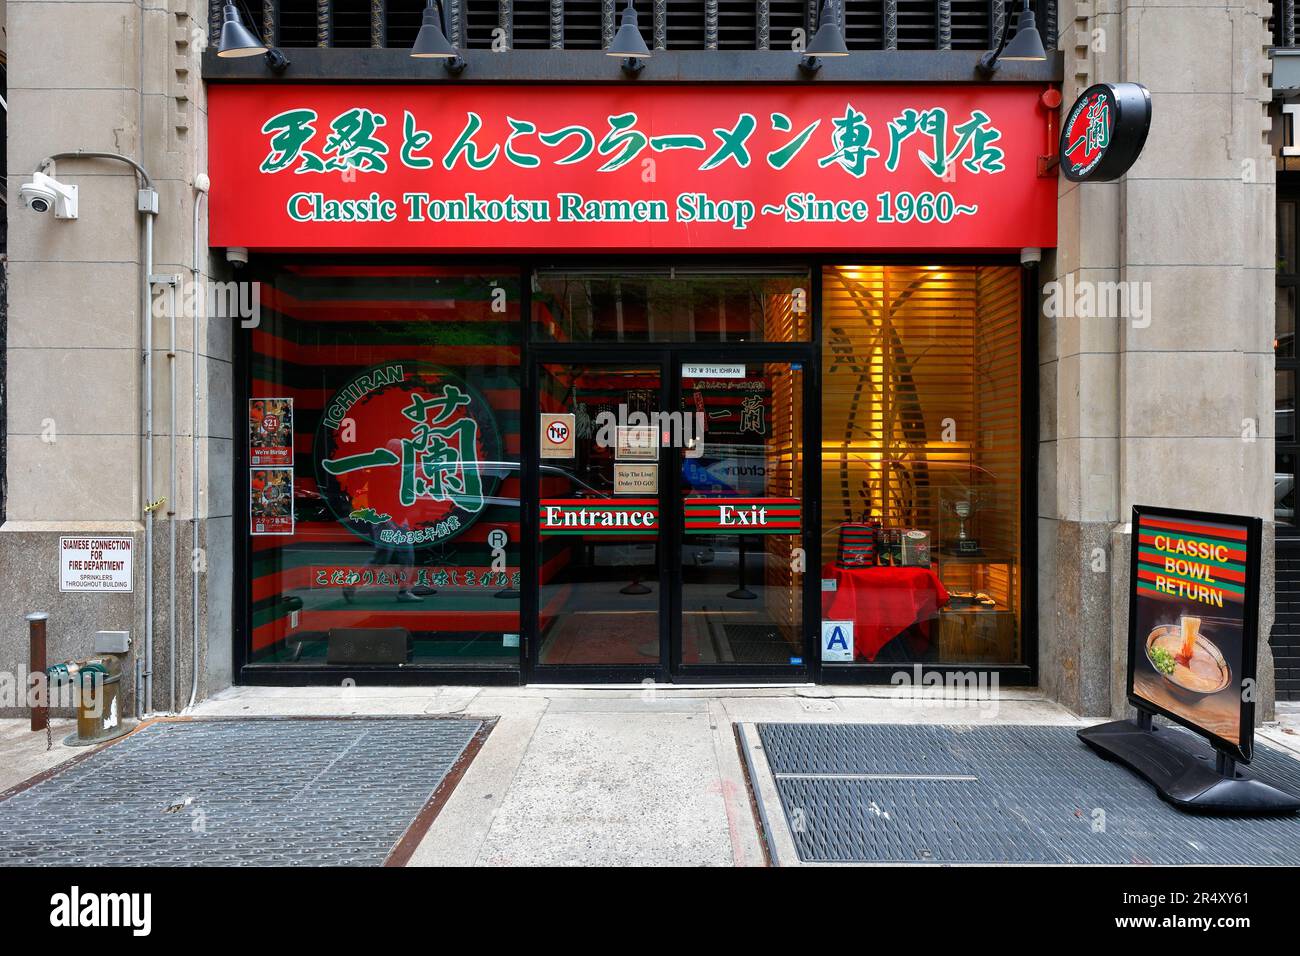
x: 148, y: 467
x: 200, y: 304
x: 171, y: 503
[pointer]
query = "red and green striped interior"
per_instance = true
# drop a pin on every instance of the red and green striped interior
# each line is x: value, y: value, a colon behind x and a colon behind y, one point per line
x: 320, y: 326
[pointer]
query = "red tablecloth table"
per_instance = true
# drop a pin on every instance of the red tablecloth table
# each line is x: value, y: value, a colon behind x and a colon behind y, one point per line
x: 882, y: 603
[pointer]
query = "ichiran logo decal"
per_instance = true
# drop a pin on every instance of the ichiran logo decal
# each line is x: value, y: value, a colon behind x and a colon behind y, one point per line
x: 407, y: 454
x: 1104, y: 132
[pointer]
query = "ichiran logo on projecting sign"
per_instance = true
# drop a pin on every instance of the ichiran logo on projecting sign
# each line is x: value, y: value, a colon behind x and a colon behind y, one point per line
x: 1104, y: 132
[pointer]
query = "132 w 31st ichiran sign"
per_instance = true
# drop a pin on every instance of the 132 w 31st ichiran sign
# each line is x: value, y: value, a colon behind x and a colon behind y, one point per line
x: 500, y: 167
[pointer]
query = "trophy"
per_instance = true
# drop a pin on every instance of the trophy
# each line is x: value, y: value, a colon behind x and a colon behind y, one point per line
x: 963, y: 508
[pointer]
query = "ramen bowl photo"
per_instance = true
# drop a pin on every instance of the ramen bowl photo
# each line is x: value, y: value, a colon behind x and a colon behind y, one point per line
x: 1189, y: 661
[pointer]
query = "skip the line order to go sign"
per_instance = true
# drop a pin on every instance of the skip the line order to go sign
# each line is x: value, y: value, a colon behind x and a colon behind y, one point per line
x: 690, y: 207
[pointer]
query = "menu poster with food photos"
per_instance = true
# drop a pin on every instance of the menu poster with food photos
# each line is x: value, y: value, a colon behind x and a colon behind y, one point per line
x: 1193, y: 621
x: 270, y: 431
x: 270, y: 500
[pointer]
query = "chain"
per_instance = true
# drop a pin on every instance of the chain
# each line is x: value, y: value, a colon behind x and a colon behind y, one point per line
x: 49, y: 734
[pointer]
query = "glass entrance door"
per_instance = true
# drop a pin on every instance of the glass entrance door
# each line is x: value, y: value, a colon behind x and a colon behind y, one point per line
x: 600, y: 567
x: 671, y: 523
x: 739, y: 489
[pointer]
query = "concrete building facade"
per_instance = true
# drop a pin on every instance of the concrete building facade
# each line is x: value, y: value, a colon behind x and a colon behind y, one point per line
x: 1170, y: 403
x: 119, y: 78
x: 1175, y: 403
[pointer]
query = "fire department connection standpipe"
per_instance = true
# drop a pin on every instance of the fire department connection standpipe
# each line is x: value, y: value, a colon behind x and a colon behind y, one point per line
x: 147, y: 204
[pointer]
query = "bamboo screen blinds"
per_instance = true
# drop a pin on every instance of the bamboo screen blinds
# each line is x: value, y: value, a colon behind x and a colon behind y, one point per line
x: 784, y: 470
x: 921, y: 403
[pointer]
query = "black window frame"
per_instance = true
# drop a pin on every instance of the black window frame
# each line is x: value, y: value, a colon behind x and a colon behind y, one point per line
x: 1023, y: 673
x: 1288, y: 191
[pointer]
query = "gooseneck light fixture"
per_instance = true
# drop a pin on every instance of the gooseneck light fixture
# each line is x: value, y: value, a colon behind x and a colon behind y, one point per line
x: 827, y: 41
x: 1025, y: 46
x: 236, y: 40
x: 431, y: 42
x: 628, y: 43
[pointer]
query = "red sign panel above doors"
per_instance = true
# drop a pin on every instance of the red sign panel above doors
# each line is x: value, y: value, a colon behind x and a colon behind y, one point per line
x: 778, y: 168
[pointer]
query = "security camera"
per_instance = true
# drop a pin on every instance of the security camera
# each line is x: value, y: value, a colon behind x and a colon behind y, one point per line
x: 44, y: 193
x: 1031, y: 256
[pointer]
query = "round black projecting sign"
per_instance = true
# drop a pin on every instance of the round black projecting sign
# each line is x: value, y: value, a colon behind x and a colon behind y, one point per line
x: 1104, y: 132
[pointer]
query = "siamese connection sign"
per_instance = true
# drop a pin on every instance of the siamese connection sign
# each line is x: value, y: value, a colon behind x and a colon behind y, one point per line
x: 298, y: 166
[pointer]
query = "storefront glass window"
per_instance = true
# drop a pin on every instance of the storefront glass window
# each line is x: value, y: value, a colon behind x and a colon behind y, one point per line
x: 1286, y: 238
x: 671, y: 305
x: 383, y: 470
x: 921, y: 463
x: 1288, y: 281
x: 1284, y: 488
x: 1284, y: 339
x: 1284, y: 413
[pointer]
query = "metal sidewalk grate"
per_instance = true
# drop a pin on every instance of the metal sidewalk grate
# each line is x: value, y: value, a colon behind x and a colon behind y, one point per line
x: 282, y: 792
x: 889, y: 793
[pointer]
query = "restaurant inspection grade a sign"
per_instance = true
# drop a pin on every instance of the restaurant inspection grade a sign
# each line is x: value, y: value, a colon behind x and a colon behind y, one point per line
x: 304, y: 167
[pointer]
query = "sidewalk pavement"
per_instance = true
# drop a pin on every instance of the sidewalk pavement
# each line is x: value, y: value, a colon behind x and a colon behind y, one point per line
x: 574, y: 776
x: 23, y: 754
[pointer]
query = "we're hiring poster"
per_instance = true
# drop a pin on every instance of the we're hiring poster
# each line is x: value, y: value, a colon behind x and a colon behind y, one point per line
x: 1194, y: 620
x: 270, y: 432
